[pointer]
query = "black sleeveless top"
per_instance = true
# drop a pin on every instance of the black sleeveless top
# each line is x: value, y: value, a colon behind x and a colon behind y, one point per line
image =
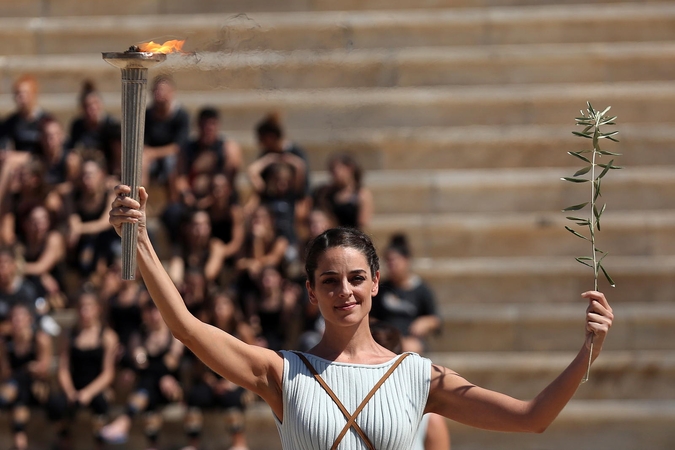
x: 17, y: 362
x: 85, y: 364
x: 347, y: 213
x: 194, y: 149
x: 156, y: 367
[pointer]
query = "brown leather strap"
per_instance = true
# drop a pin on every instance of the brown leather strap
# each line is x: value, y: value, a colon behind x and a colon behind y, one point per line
x: 351, y: 418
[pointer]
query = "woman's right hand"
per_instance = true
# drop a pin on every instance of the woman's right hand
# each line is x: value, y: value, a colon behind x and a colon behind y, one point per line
x: 127, y: 210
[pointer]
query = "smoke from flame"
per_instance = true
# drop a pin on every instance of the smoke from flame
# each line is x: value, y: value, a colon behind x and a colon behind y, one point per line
x: 172, y: 46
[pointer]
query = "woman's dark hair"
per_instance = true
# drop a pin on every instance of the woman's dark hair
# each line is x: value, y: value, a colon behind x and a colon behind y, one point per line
x: 88, y: 88
x: 207, y: 113
x: 340, y: 237
x: 399, y: 244
x: 270, y: 124
x: 349, y: 161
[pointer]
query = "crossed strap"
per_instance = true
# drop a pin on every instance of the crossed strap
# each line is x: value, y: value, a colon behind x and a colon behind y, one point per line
x: 351, y: 418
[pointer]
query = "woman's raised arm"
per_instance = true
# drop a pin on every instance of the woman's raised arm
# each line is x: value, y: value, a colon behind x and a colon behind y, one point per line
x: 454, y: 397
x: 254, y: 368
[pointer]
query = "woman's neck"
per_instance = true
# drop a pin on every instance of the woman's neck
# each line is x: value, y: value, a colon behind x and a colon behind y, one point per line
x: 350, y: 344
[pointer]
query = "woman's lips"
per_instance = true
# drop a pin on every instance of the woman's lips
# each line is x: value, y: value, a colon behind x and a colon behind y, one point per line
x: 346, y: 307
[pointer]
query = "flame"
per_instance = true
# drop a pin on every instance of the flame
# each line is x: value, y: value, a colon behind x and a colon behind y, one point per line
x: 172, y: 46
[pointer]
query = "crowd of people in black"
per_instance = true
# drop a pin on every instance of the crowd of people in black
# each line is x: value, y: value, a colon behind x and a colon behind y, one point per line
x: 234, y: 250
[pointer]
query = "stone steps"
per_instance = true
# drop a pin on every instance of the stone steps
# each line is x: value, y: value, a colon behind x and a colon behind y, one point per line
x: 505, y: 280
x: 546, y: 325
x: 57, y: 8
x: 614, y: 375
x: 402, y: 67
x: 340, y: 110
x: 623, y: 22
x: 601, y: 424
x: 514, y: 190
x: 626, y: 233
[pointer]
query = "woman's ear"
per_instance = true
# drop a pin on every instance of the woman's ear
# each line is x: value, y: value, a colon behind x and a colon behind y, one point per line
x: 376, y: 284
x: 310, y: 292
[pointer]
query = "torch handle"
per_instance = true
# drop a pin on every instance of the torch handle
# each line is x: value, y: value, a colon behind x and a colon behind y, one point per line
x: 134, y: 95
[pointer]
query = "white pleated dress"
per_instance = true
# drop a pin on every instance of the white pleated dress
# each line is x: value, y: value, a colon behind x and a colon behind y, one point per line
x: 312, y: 420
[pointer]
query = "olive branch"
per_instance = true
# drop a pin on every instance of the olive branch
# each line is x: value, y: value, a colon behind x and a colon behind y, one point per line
x: 592, y: 121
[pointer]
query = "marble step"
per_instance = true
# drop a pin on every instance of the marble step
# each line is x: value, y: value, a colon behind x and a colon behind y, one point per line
x: 625, y: 233
x: 401, y: 67
x: 57, y: 8
x: 546, y: 325
x: 619, y: 375
x: 335, y: 111
x: 623, y: 22
x: 600, y: 424
x: 531, y: 280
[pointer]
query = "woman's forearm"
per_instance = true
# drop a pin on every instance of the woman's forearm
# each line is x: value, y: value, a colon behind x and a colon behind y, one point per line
x: 546, y: 406
x: 162, y: 290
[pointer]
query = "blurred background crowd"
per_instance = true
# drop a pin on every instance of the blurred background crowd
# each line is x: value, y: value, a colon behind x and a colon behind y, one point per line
x: 232, y: 238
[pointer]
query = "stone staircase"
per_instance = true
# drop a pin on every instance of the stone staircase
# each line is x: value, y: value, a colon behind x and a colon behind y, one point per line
x: 461, y: 111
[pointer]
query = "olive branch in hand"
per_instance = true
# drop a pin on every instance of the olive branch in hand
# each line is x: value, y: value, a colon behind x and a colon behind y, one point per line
x: 592, y: 120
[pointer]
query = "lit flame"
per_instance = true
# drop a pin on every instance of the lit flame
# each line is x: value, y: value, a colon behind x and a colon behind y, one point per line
x: 172, y: 46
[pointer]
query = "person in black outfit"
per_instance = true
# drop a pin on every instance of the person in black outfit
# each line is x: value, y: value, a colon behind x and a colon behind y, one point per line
x: 404, y: 300
x: 167, y: 127
x: 95, y: 129
x: 21, y: 130
x: 86, y: 367
x: 156, y: 355
x: 345, y: 197
x: 211, y: 391
x: 14, y: 289
x: 25, y: 358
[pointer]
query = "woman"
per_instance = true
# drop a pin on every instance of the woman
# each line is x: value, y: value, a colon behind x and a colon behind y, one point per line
x: 24, y: 363
x: 210, y: 390
x: 342, y: 276
x: 95, y: 129
x: 345, y: 196
x: 156, y: 355
x: 22, y: 129
x: 262, y: 247
x: 197, y: 250
x: 45, y: 252
x: 404, y: 300
x: 86, y: 367
x: 90, y: 237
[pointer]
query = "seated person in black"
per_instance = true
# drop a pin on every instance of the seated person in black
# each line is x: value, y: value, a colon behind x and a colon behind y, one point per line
x: 344, y: 196
x: 156, y: 355
x: 95, y: 129
x: 62, y: 166
x: 21, y: 130
x: 279, y: 190
x: 25, y: 357
x: 167, y: 127
x: 14, y: 289
x: 86, y: 368
x: 91, y: 238
x: 404, y: 300
x: 210, y: 390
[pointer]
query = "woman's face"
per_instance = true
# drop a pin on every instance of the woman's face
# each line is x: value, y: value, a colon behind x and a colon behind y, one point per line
x: 25, y: 96
x: 93, y: 108
x: 343, y: 286
x: 92, y: 176
x: 37, y: 223
x: 220, y: 186
x: 200, y: 226
x: 261, y: 220
x: 52, y: 138
x: 88, y: 309
x: 163, y: 93
x: 398, y: 266
x: 7, y: 269
x: 342, y: 174
x: 20, y: 319
x: 318, y: 223
x: 223, y: 308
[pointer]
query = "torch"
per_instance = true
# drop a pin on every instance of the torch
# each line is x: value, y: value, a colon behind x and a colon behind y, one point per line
x: 134, y: 64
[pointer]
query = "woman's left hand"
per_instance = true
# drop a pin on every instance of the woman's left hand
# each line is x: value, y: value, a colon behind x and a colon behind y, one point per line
x: 599, y: 318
